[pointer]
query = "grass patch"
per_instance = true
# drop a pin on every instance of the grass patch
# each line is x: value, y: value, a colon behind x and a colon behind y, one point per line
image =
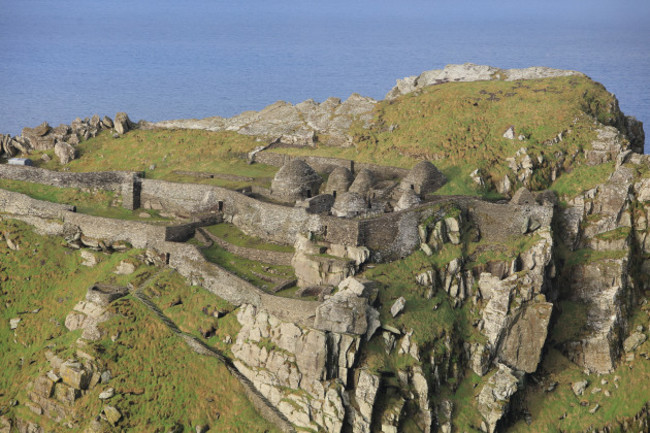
x: 193, y: 307
x: 233, y: 235
x: 547, y: 408
x: 581, y: 178
x: 158, y: 380
x: 259, y: 274
x: 97, y: 203
x: 170, y: 150
x: 460, y: 126
x: 428, y: 318
x: 586, y: 255
x: 172, y: 384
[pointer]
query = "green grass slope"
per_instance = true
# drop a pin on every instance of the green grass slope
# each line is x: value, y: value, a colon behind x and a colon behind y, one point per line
x: 159, y: 381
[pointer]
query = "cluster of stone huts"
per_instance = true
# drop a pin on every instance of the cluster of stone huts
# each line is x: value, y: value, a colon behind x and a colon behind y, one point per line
x: 348, y: 195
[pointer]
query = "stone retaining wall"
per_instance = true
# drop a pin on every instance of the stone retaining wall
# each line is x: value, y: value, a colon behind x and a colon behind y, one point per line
x: 117, y: 181
x: 104, y: 180
x: 185, y: 258
x: 21, y: 204
x: 499, y: 222
x: 277, y: 258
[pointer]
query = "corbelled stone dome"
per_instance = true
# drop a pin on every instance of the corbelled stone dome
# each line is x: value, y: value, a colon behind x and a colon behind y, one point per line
x: 363, y: 182
x: 423, y: 178
x: 296, y: 180
x: 339, y: 181
x: 408, y: 199
x: 349, y: 204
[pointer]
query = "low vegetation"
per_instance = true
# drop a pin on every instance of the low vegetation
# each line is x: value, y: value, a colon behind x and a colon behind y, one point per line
x: 98, y: 203
x: 233, y: 235
x: 43, y: 280
x: 262, y: 275
x: 161, y: 154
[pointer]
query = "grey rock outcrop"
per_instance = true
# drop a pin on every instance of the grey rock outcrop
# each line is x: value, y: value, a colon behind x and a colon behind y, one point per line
x: 347, y: 311
x: 122, y: 123
x: 301, y: 124
x: 64, y: 152
x: 494, y: 398
x: 62, y: 138
x: 471, y: 72
x: 602, y: 285
x: 365, y: 393
x: 301, y: 371
x: 89, y: 313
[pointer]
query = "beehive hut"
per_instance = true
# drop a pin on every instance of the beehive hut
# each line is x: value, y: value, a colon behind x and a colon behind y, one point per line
x: 523, y: 197
x: 408, y: 199
x: 423, y: 179
x: 363, y: 183
x: 339, y: 181
x: 295, y: 180
x: 349, y: 205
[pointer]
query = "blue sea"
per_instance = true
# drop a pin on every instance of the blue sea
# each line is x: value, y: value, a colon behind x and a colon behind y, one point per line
x: 165, y: 59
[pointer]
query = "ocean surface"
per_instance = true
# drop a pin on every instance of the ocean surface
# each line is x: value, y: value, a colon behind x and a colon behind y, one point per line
x: 163, y: 59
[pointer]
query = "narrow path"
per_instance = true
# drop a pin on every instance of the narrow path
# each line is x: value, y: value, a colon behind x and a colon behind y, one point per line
x: 261, y: 403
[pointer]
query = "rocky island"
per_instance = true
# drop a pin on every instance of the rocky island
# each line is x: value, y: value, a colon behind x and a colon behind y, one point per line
x: 470, y: 254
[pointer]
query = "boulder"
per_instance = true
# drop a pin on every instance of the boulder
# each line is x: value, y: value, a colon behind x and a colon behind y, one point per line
x: 13, y: 323
x: 64, y: 152
x: 398, y: 306
x: 105, y: 395
x: 633, y: 341
x: 107, y: 122
x: 125, y: 268
x: 113, y: 415
x: 122, y: 123
x: 523, y: 342
x: 67, y: 394
x: 344, y: 312
x: 579, y: 387
x: 43, y: 386
x: 75, y: 375
x: 89, y: 259
x: 494, y: 398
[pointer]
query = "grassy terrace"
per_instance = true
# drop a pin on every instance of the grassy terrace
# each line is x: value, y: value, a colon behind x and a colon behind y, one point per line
x: 459, y: 126
x: 259, y: 274
x: 97, y: 203
x: 233, y: 235
x: 170, y: 151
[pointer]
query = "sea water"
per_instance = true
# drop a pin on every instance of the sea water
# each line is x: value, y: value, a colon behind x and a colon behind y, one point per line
x: 165, y: 59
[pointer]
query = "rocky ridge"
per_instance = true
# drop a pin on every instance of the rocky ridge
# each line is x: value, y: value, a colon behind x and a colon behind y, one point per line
x: 63, y: 138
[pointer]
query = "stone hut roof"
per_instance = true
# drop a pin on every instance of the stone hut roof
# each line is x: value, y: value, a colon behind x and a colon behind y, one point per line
x: 423, y: 178
x: 523, y: 197
x: 339, y: 181
x: 408, y: 199
x: 363, y: 182
x: 295, y: 180
x: 349, y: 204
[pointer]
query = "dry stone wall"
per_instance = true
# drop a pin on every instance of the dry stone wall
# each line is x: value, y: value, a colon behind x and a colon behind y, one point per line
x: 271, y: 257
x: 104, y: 180
x: 21, y: 204
x: 55, y: 219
